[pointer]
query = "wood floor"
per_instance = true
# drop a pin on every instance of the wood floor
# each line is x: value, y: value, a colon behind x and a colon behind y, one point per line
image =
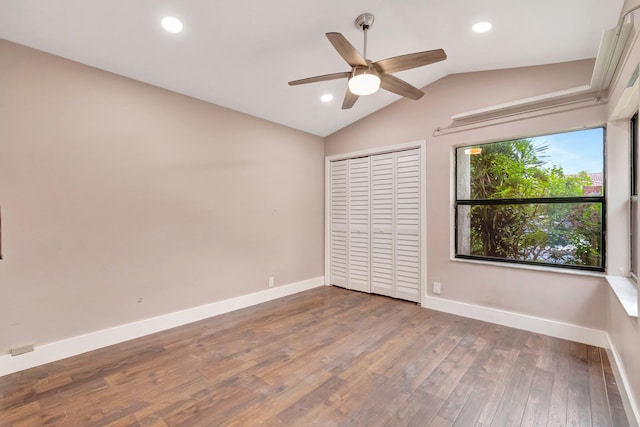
x: 325, y: 357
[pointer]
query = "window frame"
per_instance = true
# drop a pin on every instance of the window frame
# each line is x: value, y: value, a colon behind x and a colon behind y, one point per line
x: 633, y: 197
x: 533, y: 201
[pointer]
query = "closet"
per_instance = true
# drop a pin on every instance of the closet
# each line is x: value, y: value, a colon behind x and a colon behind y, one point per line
x: 375, y: 224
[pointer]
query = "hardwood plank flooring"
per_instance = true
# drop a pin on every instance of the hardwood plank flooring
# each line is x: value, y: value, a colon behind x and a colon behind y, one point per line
x: 325, y: 357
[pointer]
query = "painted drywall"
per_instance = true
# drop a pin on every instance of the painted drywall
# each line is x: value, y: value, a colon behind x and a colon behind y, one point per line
x: 624, y: 331
x: 624, y: 334
x: 565, y: 297
x: 122, y: 201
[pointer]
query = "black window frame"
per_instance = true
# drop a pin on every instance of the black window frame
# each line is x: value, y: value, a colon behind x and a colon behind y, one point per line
x: 633, y: 197
x: 532, y: 201
x: 633, y: 132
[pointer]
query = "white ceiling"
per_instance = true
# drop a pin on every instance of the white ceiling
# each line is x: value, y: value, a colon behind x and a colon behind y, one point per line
x: 241, y: 53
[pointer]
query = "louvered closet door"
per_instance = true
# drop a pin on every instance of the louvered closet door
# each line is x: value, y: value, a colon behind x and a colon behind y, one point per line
x: 358, y: 215
x: 338, y: 251
x: 382, y: 224
x: 407, y: 203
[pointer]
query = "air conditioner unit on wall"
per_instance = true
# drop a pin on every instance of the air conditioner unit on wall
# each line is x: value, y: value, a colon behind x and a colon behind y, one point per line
x: 610, y: 51
x: 628, y: 102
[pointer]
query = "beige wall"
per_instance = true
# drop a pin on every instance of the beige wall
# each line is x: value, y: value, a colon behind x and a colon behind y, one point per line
x: 624, y: 331
x: 565, y: 297
x: 113, y: 190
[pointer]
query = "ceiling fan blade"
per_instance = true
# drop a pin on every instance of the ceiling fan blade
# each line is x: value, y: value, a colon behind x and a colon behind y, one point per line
x: 323, y: 78
x: 400, y: 87
x: 411, y: 60
x: 346, y: 50
x: 349, y: 99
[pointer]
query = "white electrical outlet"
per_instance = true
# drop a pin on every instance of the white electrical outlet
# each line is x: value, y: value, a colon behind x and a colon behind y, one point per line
x: 272, y: 281
x: 436, y: 287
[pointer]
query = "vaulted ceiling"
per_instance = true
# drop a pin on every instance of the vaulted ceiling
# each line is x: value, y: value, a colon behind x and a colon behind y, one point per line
x: 240, y: 54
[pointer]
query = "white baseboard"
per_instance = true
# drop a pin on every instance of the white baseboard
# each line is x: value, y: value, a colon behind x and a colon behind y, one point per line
x: 538, y: 325
x: 81, y: 344
x: 630, y: 406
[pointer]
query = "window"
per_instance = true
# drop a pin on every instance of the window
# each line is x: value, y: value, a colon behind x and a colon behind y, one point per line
x: 633, y: 215
x: 537, y: 201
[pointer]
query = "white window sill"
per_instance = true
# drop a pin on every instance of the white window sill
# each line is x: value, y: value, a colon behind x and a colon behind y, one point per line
x: 627, y: 293
x: 543, y: 268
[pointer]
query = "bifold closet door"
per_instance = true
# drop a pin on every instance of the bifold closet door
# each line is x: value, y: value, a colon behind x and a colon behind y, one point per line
x: 407, y: 225
x: 339, y: 250
x: 395, y: 225
x: 375, y: 224
x: 382, y: 224
x: 359, y: 224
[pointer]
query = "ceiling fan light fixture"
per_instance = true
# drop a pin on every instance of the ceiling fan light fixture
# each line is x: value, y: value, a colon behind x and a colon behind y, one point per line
x: 364, y: 83
x: 365, y: 76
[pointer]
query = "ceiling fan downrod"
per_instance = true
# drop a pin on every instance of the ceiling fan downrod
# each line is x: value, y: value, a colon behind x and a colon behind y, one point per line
x: 364, y: 22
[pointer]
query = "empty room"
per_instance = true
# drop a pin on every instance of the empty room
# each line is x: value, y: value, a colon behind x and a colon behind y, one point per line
x: 296, y: 213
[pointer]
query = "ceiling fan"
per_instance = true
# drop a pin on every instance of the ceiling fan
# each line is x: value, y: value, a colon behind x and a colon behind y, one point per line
x: 367, y: 77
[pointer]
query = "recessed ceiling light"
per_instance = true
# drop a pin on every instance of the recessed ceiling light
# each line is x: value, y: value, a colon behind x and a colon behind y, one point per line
x: 171, y: 24
x: 326, y: 97
x: 481, y: 27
